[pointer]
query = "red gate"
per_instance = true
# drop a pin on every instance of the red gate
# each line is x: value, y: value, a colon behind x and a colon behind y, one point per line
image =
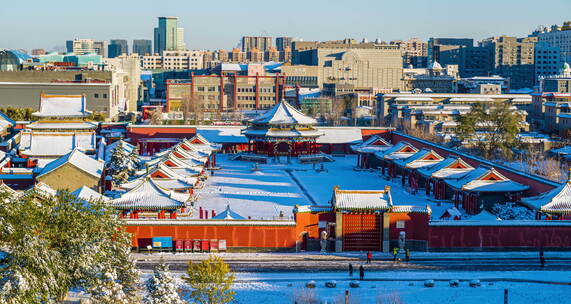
x: 362, y: 232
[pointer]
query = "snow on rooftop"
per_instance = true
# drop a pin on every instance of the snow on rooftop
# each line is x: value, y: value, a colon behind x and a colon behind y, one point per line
x: 148, y: 195
x: 284, y: 113
x: 55, y: 144
x: 62, y: 106
x: 340, y: 135
x: 79, y: 160
x: 354, y: 200
x: 556, y: 201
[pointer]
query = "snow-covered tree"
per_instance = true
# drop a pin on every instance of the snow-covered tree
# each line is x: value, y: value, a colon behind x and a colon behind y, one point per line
x: 512, y: 211
x: 161, y: 287
x: 109, y: 290
x: 122, y: 164
x: 54, y: 242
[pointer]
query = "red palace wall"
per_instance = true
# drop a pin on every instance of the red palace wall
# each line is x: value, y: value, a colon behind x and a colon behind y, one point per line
x: 454, y: 237
x: 307, y: 221
x: 235, y: 236
x: 138, y: 133
x: 536, y: 187
x: 415, y: 226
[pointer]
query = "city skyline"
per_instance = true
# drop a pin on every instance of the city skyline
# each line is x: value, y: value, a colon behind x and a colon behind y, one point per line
x: 317, y: 20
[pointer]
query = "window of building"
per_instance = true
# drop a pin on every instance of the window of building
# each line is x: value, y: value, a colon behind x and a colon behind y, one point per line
x: 96, y: 95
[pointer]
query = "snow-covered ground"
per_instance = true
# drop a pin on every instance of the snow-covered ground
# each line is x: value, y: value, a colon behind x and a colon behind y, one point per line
x: 408, y: 286
x: 264, y: 193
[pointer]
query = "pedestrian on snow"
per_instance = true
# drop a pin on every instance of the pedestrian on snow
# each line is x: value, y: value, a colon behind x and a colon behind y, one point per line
x: 395, y: 252
x: 369, y: 257
x: 361, y: 273
x: 541, y: 257
x: 408, y: 255
x: 350, y: 270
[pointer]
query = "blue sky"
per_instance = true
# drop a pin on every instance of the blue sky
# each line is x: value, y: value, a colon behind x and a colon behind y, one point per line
x: 221, y: 23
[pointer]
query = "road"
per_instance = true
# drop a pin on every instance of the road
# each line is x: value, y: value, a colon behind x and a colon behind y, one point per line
x: 275, y: 262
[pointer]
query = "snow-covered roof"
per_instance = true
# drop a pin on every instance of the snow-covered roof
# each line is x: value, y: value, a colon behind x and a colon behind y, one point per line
x: 228, y: 214
x: 64, y: 125
x: 62, y: 106
x: 284, y: 113
x: 148, y: 195
x: 556, y: 201
x: 356, y: 200
x: 79, y: 160
x: 340, y: 135
x: 401, y: 150
x: 484, y: 179
x: 420, y: 159
x: 374, y: 143
x: 87, y: 194
x: 55, y: 144
x: 449, y: 167
x: 311, y: 208
x: 410, y: 209
x: 282, y: 132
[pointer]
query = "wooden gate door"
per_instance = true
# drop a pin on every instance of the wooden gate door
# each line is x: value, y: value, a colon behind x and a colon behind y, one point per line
x: 362, y: 232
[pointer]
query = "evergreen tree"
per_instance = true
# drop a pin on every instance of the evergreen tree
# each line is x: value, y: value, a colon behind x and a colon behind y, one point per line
x: 108, y: 290
x: 161, y: 287
x: 55, y: 243
x: 492, y: 128
x: 210, y: 281
x: 119, y: 165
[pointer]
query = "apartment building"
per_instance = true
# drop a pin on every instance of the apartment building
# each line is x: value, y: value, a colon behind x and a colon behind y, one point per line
x: 207, y: 96
x: 174, y: 60
x: 513, y: 58
x: 557, y: 36
x: 552, y: 105
x: 256, y: 42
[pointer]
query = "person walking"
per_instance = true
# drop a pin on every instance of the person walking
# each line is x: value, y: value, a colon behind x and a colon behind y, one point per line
x: 395, y: 252
x: 361, y: 273
x: 408, y: 255
x: 369, y: 257
x: 350, y: 270
x: 541, y: 257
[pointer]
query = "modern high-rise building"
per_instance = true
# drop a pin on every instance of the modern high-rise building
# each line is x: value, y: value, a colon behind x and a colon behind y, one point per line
x: 168, y: 36
x: 118, y: 47
x: 415, y: 52
x: 283, y: 42
x: 86, y: 46
x: 513, y: 58
x: 142, y: 47
x: 472, y: 60
x: 251, y: 42
x: 557, y: 36
x: 547, y: 60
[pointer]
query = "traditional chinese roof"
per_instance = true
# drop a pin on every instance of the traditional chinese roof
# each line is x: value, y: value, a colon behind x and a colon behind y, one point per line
x: 361, y: 200
x: 484, y: 179
x: 87, y: 194
x: 374, y: 143
x: 55, y: 144
x: 228, y: 214
x: 450, y: 167
x: 284, y: 114
x: 72, y: 106
x: 398, y: 151
x: 77, y: 159
x: 198, y: 142
x: 420, y: 159
x: 148, y: 195
x: 410, y: 209
x: 556, y: 201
